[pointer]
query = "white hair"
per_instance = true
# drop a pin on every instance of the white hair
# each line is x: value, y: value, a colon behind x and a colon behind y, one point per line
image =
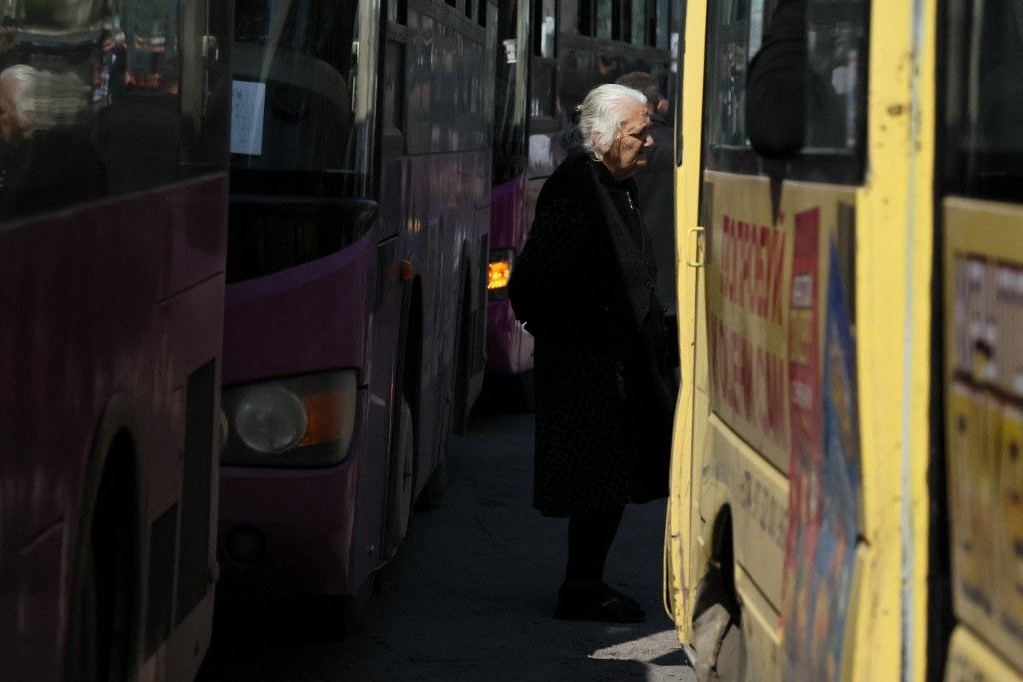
x: 43, y: 99
x: 22, y: 80
x: 601, y: 115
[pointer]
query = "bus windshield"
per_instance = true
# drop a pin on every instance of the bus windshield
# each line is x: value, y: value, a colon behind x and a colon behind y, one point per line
x: 295, y: 65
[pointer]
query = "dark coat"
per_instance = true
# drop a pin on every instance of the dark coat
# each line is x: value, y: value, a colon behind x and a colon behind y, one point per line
x: 604, y: 394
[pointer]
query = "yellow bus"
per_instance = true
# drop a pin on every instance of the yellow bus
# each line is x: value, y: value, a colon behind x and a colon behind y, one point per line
x: 847, y: 480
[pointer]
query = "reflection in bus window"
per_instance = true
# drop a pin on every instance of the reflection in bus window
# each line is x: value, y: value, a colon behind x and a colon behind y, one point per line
x: 638, y: 23
x: 544, y: 34
x: 726, y: 74
x: 983, y: 117
x: 604, y: 20
x: 294, y: 68
x: 804, y: 90
x: 835, y: 33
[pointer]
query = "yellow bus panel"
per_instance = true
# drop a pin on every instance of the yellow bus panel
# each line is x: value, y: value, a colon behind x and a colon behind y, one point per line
x: 970, y: 660
x: 983, y: 285
x: 760, y: 630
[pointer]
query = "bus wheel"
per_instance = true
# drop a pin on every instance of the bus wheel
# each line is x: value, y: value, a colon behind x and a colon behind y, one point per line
x: 401, y: 483
x: 718, y: 638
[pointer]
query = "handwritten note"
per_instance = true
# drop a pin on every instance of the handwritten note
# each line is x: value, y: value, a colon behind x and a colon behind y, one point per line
x: 247, y: 117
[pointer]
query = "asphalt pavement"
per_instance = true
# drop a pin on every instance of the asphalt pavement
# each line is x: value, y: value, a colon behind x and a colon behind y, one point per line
x: 469, y: 595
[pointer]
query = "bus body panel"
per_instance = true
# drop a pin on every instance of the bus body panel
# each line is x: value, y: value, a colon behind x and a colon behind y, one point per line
x: 983, y: 317
x: 761, y: 632
x: 269, y: 320
x: 509, y: 347
x: 305, y: 517
x: 970, y: 660
x: 757, y: 495
x: 109, y: 314
x: 344, y: 311
x: 878, y: 262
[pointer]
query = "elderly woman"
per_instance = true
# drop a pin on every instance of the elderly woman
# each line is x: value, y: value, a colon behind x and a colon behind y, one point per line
x: 584, y: 286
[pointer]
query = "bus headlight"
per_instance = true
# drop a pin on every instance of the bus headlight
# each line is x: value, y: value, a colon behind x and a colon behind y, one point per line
x: 300, y: 422
x: 499, y: 272
x: 270, y: 419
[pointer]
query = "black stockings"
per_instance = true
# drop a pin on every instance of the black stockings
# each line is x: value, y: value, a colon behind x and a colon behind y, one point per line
x: 589, y: 539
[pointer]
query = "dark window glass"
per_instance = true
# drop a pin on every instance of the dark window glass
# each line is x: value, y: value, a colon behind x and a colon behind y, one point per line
x: 983, y: 133
x: 823, y: 86
x: 604, y: 15
x: 394, y: 87
x: 510, y: 92
x: 586, y: 19
x: 835, y: 46
x: 108, y: 99
x: 663, y: 25
x: 637, y: 22
x: 544, y: 34
x: 725, y: 89
x: 296, y: 70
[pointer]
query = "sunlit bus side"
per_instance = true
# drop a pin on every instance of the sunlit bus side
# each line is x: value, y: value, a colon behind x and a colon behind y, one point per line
x: 113, y: 224
x: 846, y: 481
x: 357, y: 255
x: 980, y: 223
x: 799, y: 489
x: 561, y: 50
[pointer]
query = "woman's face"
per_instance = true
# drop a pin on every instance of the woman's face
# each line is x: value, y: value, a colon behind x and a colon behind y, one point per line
x: 628, y: 151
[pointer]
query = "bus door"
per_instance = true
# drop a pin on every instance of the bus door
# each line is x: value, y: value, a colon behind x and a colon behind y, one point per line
x: 980, y: 237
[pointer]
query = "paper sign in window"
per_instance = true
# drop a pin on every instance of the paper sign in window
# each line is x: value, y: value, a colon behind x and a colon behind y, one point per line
x: 247, y: 118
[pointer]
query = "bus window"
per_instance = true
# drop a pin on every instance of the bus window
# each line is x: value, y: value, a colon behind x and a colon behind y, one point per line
x: 294, y: 67
x: 604, y: 19
x: 835, y: 34
x: 544, y: 12
x: 985, y: 100
x: 637, y: 22
x: 727, y: 57
x: 511, y: 78
x: 805, y: 98
x: 663, y: 29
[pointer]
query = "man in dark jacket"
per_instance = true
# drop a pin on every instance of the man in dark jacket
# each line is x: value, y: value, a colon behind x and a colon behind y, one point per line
x: 584, y: 286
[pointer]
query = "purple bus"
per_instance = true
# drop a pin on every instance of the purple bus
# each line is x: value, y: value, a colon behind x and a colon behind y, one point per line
x: 509, y: 346
x: 113, y: 225
x: 554, y: 52
x: 357, y: 255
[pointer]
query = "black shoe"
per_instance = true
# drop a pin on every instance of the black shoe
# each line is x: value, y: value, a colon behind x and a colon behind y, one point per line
x: 595, y: 601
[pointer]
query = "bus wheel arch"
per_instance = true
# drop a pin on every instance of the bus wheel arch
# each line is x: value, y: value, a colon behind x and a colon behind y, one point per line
x: 717, y: 613
x: 104, y: 625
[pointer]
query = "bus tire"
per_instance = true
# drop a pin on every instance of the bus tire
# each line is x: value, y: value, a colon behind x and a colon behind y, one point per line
x: 401, y: 482
x: 717, y: 615
x: 718, y: 638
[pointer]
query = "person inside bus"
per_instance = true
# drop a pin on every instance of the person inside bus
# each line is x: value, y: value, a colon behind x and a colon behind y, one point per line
x: 656, y: 185
x: 47, y: 159
x: 776, y: 84
x: 605, y: 395
x: 783, y: 85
